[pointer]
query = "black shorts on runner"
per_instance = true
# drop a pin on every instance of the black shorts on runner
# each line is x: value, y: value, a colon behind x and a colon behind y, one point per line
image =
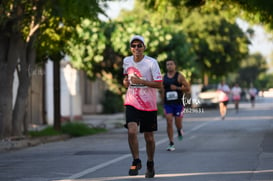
x: 147, y: 120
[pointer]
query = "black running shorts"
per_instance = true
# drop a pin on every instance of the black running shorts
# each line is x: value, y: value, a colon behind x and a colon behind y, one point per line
x: 147, y: 120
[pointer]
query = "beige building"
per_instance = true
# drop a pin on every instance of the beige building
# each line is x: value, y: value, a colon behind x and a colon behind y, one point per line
x: 79, y: 95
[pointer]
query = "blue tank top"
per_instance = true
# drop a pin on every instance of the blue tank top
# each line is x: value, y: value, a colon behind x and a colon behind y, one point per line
x: 172, y: 96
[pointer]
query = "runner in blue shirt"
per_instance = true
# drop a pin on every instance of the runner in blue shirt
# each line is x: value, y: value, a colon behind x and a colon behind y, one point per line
x: 174, y: 86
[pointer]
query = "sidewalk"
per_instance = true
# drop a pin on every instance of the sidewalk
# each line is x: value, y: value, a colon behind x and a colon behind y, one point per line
x: 111, y: 121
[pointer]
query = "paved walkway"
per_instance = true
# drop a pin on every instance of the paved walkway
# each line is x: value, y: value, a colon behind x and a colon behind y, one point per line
x: 109, y: 121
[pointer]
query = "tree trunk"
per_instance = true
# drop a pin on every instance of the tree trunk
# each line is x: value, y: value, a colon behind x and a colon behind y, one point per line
x: 9, y: 46
x: 57, y: 97
x: 26, y: 64
x: 44, y: 114
x: 20, y: 108
x: 5, y: 102
x: 25, y: 124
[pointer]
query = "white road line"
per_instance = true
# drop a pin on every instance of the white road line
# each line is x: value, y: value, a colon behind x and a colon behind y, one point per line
x: 177, y: 175
x: 102, y: 165
x: 105, y: 164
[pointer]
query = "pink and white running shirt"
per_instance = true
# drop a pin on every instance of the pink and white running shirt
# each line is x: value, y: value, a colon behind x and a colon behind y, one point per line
x: 140, y: 96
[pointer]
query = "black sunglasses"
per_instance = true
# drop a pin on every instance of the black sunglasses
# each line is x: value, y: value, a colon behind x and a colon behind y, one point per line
x: 136, y: 45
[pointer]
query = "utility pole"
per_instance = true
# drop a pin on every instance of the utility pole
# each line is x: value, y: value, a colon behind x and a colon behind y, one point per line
x: 57, y: 98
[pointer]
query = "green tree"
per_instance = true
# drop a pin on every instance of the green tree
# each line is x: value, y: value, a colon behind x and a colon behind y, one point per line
x: 219, y: 44
x: 162, y: 42
x: 86, y: 46
x: 264, y: 81
x: 217, y: 41
x: 90, y: 50
x: 164, y: 38
x: 255, y: 11
x: 27, y: 28
x: 98, y: 47
x: 251, y: 68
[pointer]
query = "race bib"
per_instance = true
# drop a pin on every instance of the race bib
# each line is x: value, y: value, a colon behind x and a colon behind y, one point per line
x: 172, y: 95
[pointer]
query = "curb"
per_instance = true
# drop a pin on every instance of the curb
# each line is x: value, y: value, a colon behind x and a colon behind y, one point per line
x: 24, y: 142
x: 8, y: 145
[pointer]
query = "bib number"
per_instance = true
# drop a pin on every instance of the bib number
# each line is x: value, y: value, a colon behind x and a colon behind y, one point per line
x: 171, y: 96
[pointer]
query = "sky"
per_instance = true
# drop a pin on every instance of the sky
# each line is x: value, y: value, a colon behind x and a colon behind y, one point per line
x: 115, y: 6
x: 262, y: 42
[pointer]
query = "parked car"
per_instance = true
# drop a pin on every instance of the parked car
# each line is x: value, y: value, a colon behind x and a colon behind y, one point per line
x: 208, y: 97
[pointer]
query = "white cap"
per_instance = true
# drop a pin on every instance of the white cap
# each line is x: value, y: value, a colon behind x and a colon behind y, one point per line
x: 137, y: 37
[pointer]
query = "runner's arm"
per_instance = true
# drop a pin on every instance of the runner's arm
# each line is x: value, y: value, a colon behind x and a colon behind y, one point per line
x: 153, y: 84
x: 185, y: 85
x: 162, y: 94
x: 126, y: 81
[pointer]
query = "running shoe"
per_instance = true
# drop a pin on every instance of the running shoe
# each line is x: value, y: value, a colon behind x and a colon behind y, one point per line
x: 180, y: 134
x: 150, y: 173
x: 136, y: 165
x: 170, y: 148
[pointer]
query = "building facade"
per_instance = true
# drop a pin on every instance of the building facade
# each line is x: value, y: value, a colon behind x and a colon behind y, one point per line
x: 79, y: 95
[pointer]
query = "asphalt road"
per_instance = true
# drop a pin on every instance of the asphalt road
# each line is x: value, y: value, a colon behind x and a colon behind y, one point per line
x: 237, y: 148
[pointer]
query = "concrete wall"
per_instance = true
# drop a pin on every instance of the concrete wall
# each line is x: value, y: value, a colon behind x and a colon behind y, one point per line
x: 49, y: 92
x: 92, y: 94
x: 79, y: 95
x: 71, y: 105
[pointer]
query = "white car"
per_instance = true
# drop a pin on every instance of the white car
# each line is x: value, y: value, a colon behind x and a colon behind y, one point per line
x: 208, y: 97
